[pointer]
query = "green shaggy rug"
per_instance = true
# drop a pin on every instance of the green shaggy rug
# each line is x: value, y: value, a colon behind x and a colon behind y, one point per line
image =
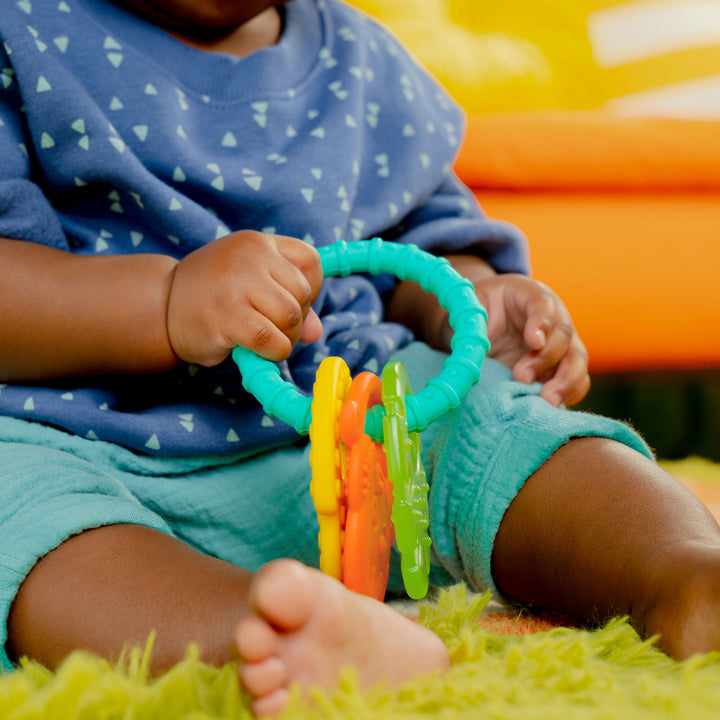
x: 502, y: 669
x: 563, y: 674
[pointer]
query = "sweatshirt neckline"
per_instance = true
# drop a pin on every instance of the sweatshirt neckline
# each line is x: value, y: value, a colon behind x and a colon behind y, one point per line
x: 275, y: 70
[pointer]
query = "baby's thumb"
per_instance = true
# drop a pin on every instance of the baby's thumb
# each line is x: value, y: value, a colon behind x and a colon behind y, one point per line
x: 312, y: 328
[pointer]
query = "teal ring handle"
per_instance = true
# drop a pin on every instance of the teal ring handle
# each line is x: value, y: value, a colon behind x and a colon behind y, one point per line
x: 460, y: 371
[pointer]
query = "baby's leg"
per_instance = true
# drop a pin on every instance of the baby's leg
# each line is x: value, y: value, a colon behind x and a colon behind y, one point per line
x: 563, y: 510
x: 113, y: 585
x: 307, y: 626
x: 600, y: 530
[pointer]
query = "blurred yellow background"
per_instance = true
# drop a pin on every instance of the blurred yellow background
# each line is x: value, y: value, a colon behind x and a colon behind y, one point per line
x: 658, y: 57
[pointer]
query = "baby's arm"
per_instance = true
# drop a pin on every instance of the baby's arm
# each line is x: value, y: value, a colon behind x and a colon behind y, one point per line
x: 66, y: 315
x: 69, y: 315
x: 529, y: 328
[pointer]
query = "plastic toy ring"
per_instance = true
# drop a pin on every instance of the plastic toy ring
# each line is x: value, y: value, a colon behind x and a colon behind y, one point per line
x: 369, y: 532
x: 332, y: 382
x: 410, y: 488
x: 461, y: 369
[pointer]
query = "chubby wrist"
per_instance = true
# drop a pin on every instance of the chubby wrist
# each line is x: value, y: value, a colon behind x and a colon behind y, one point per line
x: 154, y: 334
x: 135, y: 301
x: 472, y: 267
x: 421, y: 311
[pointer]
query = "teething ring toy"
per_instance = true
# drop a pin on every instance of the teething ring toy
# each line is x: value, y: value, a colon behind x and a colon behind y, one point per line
x: 460, y: 371
x: 369, y: 531
x: 357, y: 484
x: 332, y: 382
x: 406, y: 472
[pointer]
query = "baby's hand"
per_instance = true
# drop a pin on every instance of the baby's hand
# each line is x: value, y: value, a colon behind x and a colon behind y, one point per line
x: 247, y: 288
x: 530, y: 331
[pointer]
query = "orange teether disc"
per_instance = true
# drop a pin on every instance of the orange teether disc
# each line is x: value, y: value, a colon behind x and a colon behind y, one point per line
x: 369, y: 532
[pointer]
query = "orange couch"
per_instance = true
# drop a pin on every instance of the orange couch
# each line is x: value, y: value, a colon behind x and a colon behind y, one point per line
x: 594, y: 126
x: 623, y: 220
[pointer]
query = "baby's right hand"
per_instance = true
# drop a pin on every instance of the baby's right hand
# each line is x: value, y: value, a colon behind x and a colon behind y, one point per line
x: 247, y: 288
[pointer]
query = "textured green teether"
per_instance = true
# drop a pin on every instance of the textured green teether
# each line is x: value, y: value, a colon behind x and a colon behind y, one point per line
x: 410, y: 489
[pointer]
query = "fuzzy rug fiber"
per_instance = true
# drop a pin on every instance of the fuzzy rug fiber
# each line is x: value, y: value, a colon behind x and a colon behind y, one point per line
x: 516, y: 668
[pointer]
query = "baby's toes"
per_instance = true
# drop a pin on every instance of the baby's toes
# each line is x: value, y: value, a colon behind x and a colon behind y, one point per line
x: 255, y: 640
x: 264, y: 678
x: 285, y: 593
x: 272, y: 704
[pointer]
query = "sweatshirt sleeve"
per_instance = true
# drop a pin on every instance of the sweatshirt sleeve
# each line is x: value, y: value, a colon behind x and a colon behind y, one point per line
x: 451, y: 221
x: 25, y: 212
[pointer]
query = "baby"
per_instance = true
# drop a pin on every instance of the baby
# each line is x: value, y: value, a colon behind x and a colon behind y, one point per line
x: 168, y: 168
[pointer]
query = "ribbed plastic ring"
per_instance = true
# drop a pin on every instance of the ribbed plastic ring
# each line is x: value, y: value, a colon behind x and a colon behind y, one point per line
x: 460, y: 371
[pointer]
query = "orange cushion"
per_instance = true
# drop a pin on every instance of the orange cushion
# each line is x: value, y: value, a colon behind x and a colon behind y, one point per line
x: 639, y: 272
x: 594, y: 150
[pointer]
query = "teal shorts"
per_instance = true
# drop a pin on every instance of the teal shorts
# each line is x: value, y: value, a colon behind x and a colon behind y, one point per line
x: 248, y: 510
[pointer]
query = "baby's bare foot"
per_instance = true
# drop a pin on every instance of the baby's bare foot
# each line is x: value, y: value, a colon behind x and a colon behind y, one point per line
x: 307, y: 626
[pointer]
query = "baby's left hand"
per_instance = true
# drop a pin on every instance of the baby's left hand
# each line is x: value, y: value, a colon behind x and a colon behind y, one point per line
x: 531, y: 332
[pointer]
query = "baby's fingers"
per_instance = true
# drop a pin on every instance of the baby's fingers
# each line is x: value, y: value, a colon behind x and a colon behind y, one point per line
x: 272, y: 326
x: 547, y: 333
x: 306, y: 259
x: 302, y: 276
x: 571, y: 381
x: 557, y: 358
x: 311, y: 328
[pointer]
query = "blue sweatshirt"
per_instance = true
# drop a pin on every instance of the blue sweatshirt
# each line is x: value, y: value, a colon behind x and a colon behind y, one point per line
x: 116, y: 138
